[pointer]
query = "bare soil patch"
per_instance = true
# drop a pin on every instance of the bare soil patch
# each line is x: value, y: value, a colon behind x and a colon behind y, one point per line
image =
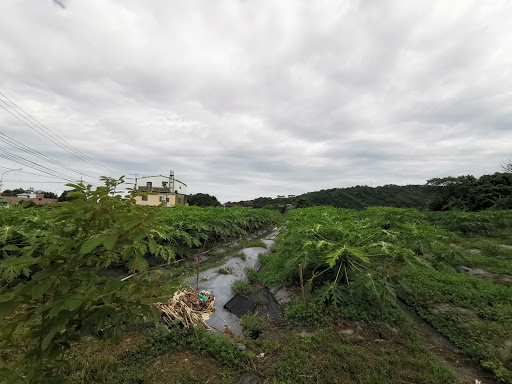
x: 184, y: 367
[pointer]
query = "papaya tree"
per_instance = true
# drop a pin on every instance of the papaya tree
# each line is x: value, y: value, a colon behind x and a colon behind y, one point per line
x: 52, y: 292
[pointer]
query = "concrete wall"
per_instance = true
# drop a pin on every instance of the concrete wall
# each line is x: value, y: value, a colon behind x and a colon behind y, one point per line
x: 157, y: 182
x: 37, y: 201
x: 174, y: 199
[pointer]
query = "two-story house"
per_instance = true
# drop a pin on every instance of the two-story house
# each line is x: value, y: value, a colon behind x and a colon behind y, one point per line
x: 161, y: 189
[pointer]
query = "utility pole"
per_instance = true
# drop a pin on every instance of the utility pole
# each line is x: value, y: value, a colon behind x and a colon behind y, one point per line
x: 135, y: 184
x: 2, y: 177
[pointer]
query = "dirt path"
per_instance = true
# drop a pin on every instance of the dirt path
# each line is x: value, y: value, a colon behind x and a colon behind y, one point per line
x: 446, y: 352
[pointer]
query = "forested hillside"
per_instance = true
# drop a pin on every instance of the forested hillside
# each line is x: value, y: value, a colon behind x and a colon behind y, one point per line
x: 360, y: 197
x: 467, y: 193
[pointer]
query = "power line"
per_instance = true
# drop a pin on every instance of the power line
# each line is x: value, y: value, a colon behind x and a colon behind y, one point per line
x: 67, y: 147
x: 35, y: 182
x: 36, y: 129
x: 19, y: 145
x: 20, y: 160
x: 50, y: 135
x: 32, y: 173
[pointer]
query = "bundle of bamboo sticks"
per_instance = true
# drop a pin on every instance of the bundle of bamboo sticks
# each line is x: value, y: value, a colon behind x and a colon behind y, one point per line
x: 187, y: 308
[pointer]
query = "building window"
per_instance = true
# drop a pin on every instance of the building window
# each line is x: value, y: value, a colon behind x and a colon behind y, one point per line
x: 144, y: 198
x: 164, y: 184
x: 162, y: 199
x: 167, y: 200
x: 149, y: 184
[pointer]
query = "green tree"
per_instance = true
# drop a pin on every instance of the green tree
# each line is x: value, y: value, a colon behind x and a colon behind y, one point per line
x: 203, y: 200
x: 50, y: 195
x: 51, y: 290
x: 302, y: 202
x: 471, y: 194
x: 13, y: 192
x: 64, y: 196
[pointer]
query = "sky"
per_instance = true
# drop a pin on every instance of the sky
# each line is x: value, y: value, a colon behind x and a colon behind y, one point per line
x: 253, y: 98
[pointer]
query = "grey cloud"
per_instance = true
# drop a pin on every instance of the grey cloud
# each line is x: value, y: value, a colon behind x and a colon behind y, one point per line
x: 254, y: 98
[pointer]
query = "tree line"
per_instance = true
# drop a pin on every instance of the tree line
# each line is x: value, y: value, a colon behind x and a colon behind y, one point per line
x: 467, y: 193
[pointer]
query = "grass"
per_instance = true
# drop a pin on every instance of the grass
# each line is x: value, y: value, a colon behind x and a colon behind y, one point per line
x: 474, y: 313
x: 253, y: 324
x: 161, y: 356
x: 241, y: 287
x: 329, y: 356
x: 253, y: 243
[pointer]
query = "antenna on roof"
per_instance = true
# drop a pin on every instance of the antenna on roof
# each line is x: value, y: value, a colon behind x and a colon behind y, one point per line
x: 171, y: 178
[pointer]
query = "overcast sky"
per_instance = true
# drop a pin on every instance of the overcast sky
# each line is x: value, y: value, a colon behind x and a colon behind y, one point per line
x: 256, y: 98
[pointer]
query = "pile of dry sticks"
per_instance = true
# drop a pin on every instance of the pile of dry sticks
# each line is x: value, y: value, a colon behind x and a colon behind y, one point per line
x: 188, y: 307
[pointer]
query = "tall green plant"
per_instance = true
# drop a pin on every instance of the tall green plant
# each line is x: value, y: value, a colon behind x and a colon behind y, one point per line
x: 51, y: 290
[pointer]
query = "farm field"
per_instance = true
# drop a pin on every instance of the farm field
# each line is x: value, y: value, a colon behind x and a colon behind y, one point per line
x: 371, y: 277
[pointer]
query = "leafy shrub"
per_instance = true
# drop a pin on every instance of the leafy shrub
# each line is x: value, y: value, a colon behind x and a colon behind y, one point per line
x: 197, y: 339
x: 241, y: 287
x: 252, y: 275
x: 253, y: 243
x: 253, y: 324
x: 296, y: 313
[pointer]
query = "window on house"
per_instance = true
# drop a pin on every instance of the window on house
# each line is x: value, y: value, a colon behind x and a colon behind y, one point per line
x: 167, y: 200
x: 144, y: 198
x: 149, y: 184
x: 164, y: 184
x: 162, y: 199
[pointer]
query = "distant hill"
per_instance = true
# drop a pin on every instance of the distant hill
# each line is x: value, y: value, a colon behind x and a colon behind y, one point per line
x: 360, y: 197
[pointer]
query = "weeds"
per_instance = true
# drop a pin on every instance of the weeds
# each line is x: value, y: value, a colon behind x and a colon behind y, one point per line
x: 241, y: 287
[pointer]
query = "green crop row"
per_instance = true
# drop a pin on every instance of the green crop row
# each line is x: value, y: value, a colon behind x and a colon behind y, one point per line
x: 363, y: 259
x: 52, y: 290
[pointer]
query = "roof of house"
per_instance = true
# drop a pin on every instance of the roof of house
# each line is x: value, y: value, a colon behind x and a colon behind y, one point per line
x: 147, y: 177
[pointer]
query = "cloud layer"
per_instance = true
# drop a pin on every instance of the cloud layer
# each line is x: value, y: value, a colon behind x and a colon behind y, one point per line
x: 258, y: 98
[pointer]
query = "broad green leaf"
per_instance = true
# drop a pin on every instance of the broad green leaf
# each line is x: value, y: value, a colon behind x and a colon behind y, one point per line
x: 131, y: 223
x: 153, y: 246
x: 73, y: 303
x: 110, y: 240
x: 11, y: 247
x: 156, y: 314
x: 57, y: 326
x: 41, y: 275
x: 6, y: 308
x: 91, y: 244
x: 63, y: 284
x: 55, y: 310
x: 41, y: 288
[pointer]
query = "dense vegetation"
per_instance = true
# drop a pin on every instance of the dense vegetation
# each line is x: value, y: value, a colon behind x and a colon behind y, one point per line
x: 17, y: 191
x: 203, y: 200
x: 53, y: 293
x: 356, y: 265
x: 469, y: 193
x: 356, y: 262
x: 466, y: 193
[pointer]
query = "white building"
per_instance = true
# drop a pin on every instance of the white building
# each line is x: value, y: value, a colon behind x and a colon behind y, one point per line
x: 161, y: 184
x: 160, y: 190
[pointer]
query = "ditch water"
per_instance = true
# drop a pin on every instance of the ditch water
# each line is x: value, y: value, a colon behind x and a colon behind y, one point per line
x: 220, y: 284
